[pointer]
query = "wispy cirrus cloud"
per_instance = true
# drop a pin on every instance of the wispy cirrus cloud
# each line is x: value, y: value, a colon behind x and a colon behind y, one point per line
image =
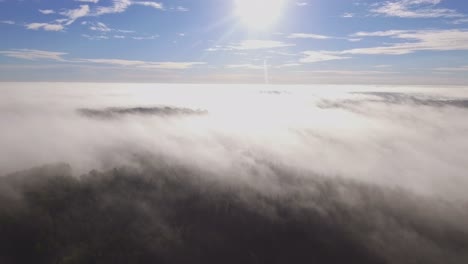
x: 74, y: 14
x: 98, y: 37
x: 45, y: 26
x: 453, y: 69
x: 387, y: 33
x: 318, y: 56
x: 416, y: 40
x: 105, y: 31
x: 252, y: 44
x: 99, y: 26
x: 348, y: 15
x: 145, y: 37
x: 150, y: 4
x: 8, y: 22
x: 246, y: 66
x: 88, y: 1
x: 307, y: 36
x: 30, y: 54
x: 180, y: 9
x: 120, y: 6
x: 71, y: 15
x: 288, y: 65
x: 350, y: 72
x: 145, y: 64
x: 413, y: 9
x: 460, y: 21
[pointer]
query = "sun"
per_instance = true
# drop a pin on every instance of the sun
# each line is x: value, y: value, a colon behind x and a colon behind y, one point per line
x: 259, y: 14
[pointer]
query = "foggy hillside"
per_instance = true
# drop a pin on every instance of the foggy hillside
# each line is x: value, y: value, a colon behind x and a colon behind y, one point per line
x: 173, y: 214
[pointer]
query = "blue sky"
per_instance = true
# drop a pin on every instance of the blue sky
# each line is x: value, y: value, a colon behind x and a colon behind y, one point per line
x: 226, y: 41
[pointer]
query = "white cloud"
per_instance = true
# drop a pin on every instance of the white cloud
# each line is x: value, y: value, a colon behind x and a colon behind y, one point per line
x: 253, y: 44
x: 100, y: 37
x: 172, y: 65
x: 146, y: 64
x: 318, y: 56
x: 45, y: 26
x: 74, y: 14
x: 180, y: 9
x: 146, y: 37
x: 388, y: 33
x: 349, y: 72
x: 460, y: 21
x: 453, y: 69
x: 348, y: 15
x: 307, y: 36
x: 125, y: 31
x: 302, y: 3
x: 150, y: 4
x: 29, y: 54
x: 119, y: 37
x: 9, y: 22
x: 88, y: 1
x: 413, y: 9
x: 118, y: 6
x: 288, y: 65
x: 46, y: 11
x: 99, y: 26
x: 417, y: 40
x: 383, y: 66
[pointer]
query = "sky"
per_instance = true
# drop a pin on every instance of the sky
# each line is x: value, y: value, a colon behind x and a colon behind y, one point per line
x: 235, y: 41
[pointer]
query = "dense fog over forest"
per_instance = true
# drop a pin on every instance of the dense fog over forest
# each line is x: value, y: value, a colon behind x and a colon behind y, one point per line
x: 153, y: 173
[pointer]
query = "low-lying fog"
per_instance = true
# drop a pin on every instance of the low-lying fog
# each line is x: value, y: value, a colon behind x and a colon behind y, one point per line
x: 408, y: 144
x: 414, y: 138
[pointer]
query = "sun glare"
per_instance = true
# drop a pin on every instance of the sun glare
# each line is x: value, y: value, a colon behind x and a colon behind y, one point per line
x: 259, y: 14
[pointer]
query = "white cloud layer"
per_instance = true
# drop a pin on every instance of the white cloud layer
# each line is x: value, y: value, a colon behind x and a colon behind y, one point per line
x: 328, y: 132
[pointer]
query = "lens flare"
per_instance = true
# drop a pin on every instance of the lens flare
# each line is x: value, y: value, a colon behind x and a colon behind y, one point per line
x: 259, y: 14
